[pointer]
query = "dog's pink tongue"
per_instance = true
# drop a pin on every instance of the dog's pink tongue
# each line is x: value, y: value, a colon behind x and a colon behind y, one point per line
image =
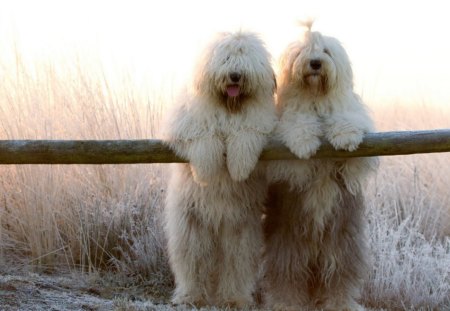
x: 233, y: 90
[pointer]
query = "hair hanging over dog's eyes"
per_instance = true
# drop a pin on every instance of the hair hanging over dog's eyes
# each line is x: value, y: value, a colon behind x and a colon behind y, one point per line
x: 327, y: 51
x: 226, y: 59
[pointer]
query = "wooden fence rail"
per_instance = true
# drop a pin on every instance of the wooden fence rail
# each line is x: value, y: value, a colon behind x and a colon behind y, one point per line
x: 155, y: 151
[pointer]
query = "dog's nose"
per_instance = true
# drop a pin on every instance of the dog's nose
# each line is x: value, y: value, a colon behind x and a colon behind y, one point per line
x: 315, y: 64
x: 235, y: 76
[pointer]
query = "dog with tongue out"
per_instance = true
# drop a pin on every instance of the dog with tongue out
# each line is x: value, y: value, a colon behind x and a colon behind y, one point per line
x: 233, y: 92
x: 233, y: 89
x: 214, y: 203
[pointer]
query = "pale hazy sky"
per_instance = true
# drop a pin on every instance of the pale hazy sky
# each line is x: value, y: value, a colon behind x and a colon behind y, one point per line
x: 400, y: 50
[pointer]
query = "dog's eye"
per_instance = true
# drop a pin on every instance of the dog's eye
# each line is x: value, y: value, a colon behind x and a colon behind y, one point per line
x: 326, y: 51
x: 225, y: 60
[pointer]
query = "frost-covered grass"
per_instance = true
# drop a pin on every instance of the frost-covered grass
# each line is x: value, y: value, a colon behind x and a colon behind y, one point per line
x: 408, y: 234
x: 101, y: 219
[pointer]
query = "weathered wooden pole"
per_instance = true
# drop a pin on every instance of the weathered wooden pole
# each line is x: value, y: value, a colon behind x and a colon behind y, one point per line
x: 155, y: 151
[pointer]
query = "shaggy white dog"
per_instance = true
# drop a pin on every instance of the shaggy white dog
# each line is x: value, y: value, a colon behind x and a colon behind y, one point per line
x: 214, y: 203
x: 315, y: 255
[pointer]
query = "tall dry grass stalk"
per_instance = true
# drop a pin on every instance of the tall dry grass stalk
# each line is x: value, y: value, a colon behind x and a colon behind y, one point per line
x: 95, y: 218
x: 77, y: 217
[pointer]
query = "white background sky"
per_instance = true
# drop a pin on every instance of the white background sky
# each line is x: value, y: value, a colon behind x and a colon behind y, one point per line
x: 400, y: 50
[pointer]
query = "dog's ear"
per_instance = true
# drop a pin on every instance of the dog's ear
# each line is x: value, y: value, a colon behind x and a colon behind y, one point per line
x: 197, y: 85
x: 286, y: 62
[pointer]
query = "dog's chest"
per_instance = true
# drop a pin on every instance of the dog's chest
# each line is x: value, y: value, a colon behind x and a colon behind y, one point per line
x: 227, y: 124
x: 322, y: 108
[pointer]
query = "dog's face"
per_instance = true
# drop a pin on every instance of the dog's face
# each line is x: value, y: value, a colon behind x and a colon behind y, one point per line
x: 235, y: 68
x: 317, y: 65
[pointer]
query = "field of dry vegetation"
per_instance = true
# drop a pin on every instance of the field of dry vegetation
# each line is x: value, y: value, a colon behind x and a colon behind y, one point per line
x: 88, y: 237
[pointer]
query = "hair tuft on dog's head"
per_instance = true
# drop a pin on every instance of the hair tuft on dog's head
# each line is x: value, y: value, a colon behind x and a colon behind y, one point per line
x: 306, y: 23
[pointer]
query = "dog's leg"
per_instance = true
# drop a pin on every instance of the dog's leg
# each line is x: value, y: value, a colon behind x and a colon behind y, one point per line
x: 354, y: 172
x: 191, y: 252
x: 286, y: 253
x: 194, y: 139
x: 206, y: 156
x: 345, y: 127
x: 243, y: 151
x: 286, y: 274
x: 300, y: 132
x: 342, y: 134
x: 241, y: 247
x: 343, y: 260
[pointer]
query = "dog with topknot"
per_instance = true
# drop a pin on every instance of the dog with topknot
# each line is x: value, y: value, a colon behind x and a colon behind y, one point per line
x: 214, y: 203
x: 316, y: 256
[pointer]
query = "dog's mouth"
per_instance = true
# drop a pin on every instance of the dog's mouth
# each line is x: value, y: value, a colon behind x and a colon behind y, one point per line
x: 312, y: 74
x: 313, y: 77
x: 315, y: 82
x: 233, y: 90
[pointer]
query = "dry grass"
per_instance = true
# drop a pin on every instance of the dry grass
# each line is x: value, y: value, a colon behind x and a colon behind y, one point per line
x: 101, y: 219
x: 77, y: 217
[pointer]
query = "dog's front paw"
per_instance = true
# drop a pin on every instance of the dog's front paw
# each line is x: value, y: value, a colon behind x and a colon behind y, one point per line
x: 193, y: 300
x: 243, y: 152
x: 304, y: 148
x: 241, y: 170
x: 206, y: 157
x: 345, y: 137
x: 300, y: 132
x: 341, y: 305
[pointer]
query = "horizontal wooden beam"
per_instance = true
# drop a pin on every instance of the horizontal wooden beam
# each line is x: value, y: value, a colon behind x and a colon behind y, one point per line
x: 155, y: 151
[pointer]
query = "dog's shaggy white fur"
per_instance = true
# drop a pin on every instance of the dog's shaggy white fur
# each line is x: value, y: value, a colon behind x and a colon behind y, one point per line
x: 214, y: 203
x: 315, y: 256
